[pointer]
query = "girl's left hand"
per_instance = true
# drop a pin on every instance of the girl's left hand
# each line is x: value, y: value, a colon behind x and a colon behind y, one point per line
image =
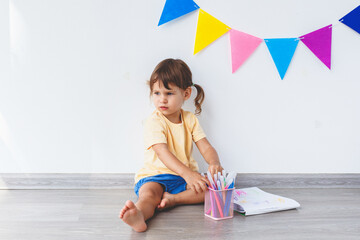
x: 215, y: 168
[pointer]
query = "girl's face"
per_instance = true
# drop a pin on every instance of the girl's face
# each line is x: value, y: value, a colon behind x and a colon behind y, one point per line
x: 169, y: 102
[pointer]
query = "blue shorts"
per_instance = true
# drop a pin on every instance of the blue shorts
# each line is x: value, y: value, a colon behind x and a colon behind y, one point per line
x: 171, y: 183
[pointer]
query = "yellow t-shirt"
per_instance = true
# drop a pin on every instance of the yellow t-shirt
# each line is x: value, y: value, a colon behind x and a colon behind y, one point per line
x: 178, y: 137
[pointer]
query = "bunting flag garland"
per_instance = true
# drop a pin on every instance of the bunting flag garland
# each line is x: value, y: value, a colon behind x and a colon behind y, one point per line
x: 176, y: 8
x: 242, y: 46
x: 282, y: 51
x: 352, y: 19
x: 208, y: 30
x: 319, y: 42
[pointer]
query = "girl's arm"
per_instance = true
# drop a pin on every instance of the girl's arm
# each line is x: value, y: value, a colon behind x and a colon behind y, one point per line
x: 194, y: 180
x: 210, y: 155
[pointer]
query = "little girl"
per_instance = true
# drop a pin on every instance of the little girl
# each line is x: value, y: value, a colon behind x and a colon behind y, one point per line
x: 170, y: 175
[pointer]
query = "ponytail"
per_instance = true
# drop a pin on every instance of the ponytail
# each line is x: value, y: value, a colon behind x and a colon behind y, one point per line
x: 199, y: 99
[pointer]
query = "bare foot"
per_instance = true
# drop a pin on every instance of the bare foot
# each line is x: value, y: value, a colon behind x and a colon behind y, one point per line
x: 167, y: 201
x: 131, y: 215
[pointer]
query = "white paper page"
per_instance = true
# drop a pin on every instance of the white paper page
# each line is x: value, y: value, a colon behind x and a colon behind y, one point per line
x: 255, y: 201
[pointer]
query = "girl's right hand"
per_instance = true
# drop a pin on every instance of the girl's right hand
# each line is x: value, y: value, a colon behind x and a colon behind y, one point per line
x: 196, y: 182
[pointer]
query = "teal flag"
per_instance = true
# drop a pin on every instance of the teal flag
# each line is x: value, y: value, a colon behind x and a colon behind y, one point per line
x: 282, y: 50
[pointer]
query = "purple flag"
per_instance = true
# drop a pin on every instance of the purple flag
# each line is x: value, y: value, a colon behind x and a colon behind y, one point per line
x: 319, y: 42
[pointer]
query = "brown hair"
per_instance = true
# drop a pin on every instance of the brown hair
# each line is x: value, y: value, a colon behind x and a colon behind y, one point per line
x: 175, y: 71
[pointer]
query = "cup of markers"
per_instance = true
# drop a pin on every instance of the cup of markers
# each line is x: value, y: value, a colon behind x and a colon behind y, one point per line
x: 219, y: 199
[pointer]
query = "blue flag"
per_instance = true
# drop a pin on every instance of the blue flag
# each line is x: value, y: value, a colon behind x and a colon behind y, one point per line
x: 176, y: 8
x: 282, y: 51
x: 352, y: 19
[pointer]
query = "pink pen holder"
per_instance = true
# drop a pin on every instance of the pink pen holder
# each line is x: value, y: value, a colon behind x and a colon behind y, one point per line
x: 219, y: 204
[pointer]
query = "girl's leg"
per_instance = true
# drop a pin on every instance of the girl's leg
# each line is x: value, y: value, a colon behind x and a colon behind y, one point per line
x: 187, y: 197
x: 150, y: 195
x: 135, y: 215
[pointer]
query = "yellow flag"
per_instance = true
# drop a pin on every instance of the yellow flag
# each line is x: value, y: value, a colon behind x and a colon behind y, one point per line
x: 208, y: 30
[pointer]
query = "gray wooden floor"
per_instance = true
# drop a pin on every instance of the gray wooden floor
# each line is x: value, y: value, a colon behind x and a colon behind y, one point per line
x: 93, y: 214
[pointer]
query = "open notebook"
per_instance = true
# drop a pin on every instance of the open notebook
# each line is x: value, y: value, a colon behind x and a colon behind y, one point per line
x: 251, y: 201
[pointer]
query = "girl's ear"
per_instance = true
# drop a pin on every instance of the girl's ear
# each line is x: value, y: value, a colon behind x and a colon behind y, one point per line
x: 187, y: 93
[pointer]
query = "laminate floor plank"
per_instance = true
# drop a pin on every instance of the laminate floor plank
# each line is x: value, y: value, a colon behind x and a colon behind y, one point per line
x: 331, y: 213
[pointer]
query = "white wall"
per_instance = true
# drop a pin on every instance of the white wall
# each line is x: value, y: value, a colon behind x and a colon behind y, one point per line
x: 73, y: 92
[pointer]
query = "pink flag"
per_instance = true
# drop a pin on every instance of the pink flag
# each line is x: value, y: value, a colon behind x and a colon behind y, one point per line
x: 319, y: 42
x: 242, y: 46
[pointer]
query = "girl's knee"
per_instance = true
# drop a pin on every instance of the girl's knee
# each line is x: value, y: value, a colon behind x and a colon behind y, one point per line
x: 150, y: 195
x: 151, y: 191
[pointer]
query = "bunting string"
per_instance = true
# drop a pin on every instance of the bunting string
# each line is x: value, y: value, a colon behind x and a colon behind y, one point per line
x: 242, y: 44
